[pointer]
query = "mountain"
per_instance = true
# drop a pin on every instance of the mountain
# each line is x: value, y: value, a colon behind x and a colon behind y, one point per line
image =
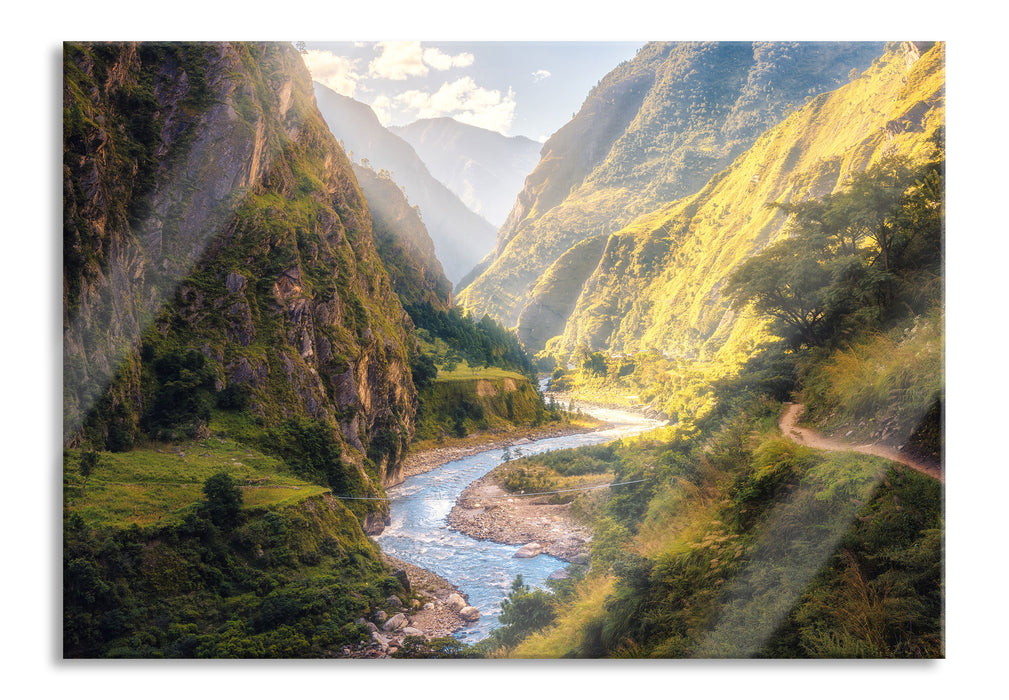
x: 657, y: 285
x: 655, y: 129
x: 461, y: 237
x: 404, y: 245
x: 484, y: 168
x: 218, y: 249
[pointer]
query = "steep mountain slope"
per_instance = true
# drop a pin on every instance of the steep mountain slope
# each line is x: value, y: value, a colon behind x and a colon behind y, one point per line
x: 484, y: 168
x: 216, y: 243
x: 403, y: 243
x: 654, y: 130
x: 461, y: 237
x: 657, y: 285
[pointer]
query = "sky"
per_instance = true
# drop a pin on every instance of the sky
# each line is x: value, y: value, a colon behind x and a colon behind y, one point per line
x: 515, y: 88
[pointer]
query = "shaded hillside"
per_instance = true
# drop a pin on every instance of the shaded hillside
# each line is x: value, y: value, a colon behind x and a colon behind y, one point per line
x: 403, y: 243
x: 217, y: 249
x: 659, y: 283
x: 484, y: 168
x: 461, y: 237
x: 655, y: 129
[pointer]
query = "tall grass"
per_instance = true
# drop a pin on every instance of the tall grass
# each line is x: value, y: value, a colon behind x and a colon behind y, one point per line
x: 882, y: 385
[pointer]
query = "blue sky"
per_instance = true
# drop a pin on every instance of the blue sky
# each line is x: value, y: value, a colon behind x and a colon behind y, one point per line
x: 515, y: 88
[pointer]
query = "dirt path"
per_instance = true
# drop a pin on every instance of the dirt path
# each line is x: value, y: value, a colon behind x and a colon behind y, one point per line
x: 811, y: 438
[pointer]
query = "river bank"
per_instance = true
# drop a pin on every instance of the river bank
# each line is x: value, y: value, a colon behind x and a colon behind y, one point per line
x: 426, y: 460
x: 486, y: 511
x: 437, y: 613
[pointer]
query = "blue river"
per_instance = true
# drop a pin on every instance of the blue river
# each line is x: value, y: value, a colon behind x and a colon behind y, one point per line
x: 419, y: 534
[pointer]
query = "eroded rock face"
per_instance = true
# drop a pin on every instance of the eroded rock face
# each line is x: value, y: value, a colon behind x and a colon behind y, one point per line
x: 302, y: 313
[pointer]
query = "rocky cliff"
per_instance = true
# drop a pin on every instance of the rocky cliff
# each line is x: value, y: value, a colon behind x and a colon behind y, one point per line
x: 207, y: 207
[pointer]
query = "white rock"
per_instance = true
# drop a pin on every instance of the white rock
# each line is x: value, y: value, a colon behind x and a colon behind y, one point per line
x: 456, y: 602
x: 469, y: 613
x: 529, y: 551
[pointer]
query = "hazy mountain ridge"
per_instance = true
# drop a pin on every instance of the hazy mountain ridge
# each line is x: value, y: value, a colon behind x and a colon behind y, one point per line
x: 461, y: 237
x: 484, y: 168
x: 655, y: 129
x: 404, y: 245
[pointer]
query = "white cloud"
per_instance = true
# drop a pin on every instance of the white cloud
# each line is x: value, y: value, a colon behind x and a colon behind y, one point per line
x: 398, y: 60
x: 338, y: 73
x: 443, y: 61
x: 540, y: 75
x: 464, y: 101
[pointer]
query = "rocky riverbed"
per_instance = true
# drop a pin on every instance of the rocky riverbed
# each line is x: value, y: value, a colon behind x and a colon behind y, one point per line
x: 432, y: 608
x: 486, y: 511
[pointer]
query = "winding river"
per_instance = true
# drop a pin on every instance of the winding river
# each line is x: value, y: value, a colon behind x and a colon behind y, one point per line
x: 419, y: 534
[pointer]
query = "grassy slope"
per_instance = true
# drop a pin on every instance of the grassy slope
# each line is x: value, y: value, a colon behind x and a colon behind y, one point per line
x: 658, y: 284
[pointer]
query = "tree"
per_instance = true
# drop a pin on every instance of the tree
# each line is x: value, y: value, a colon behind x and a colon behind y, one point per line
x: 523, y: 612
x: 787, y: 282
x: 224, y: 499
x: 89, y: 462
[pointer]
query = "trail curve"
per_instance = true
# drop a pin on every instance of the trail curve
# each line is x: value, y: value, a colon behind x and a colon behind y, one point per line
x: 788, y: 423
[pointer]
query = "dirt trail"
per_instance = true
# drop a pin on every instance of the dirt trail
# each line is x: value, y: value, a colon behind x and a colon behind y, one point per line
x: 811, y: 438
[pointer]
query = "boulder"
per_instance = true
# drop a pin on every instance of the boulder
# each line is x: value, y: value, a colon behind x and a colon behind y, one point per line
x: 394, y: 601
x: 469, y: 613
x: 456, y: 602
x: 397, y: 621
x: 412, y: 632
x: 558, y: 575
x: 380, y: 616
x: 529, y: 551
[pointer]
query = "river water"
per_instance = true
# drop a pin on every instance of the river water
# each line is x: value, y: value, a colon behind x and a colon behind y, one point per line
x: 418, y: 532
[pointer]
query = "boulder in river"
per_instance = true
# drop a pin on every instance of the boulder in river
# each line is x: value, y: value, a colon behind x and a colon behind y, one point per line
x: 469, y: 613
x: 559, y: 575
x: 529, y: 551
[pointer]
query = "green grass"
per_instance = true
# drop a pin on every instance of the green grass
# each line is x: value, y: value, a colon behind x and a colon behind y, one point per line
x: 882, y: 385
x: 157, y: 484
x: 463, y: 372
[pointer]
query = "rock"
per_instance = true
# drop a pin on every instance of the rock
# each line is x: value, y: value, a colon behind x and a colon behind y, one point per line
x: 456, y: 602
x: 529, y: 551
x: 412, y: 632
x: 559, y: 575
x: 428, y: 606
x: 469, y: 613
x: 380, y: 616
x: 397, y: 621
x: 404, y: 580
x: 394, y: 601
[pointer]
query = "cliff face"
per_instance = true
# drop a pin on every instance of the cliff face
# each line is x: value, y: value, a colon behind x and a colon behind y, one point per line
x: 207, y: 207
x: 654, y: 130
